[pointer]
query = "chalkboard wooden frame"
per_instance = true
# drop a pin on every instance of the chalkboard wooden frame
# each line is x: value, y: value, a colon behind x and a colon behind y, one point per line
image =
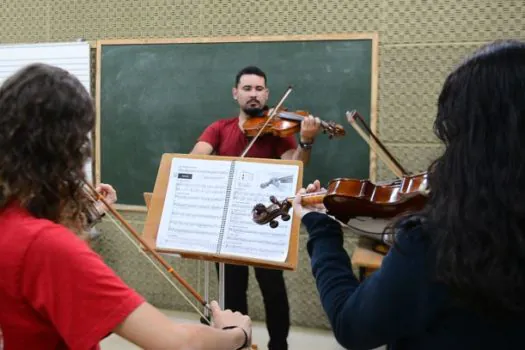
x: 373, y: 37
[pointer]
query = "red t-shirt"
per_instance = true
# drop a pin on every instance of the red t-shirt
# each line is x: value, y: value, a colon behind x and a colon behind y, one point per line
x: 227, y: 139
x: 55, y: 292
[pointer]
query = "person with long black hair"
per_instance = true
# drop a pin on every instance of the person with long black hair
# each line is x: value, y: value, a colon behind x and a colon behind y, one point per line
x: 455, y: 276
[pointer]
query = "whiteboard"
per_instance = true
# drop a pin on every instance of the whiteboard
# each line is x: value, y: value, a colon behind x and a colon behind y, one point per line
x: 71, y: 56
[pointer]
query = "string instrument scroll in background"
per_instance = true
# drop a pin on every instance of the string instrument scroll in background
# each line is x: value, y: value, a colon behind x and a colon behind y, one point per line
x: 350, y: 198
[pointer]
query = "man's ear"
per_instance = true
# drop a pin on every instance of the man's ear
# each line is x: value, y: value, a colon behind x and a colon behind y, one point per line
x: 234, y: 93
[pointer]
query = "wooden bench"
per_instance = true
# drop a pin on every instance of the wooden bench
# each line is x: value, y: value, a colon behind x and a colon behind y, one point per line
x: 367, y: 256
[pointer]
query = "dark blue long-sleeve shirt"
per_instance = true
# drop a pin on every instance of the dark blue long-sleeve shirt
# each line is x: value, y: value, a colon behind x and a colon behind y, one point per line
x: 399, y: 305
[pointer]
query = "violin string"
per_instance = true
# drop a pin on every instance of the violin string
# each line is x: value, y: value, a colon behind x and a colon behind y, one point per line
x: 363, y: 231
x: 290, y: 116
x: 170, y: 281
x: 299, y: 118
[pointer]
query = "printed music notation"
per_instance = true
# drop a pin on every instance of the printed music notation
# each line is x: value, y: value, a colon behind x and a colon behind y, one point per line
x: 208, y: 208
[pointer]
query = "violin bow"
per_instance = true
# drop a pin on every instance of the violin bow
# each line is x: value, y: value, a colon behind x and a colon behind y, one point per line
x: 272, y: 114
x: 375, y: 144
x: 169, y: 269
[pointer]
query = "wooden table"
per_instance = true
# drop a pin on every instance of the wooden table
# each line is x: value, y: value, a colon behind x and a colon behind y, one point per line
x: 365, y: 258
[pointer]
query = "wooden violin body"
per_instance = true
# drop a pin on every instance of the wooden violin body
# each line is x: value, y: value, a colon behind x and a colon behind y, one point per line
x: 278, y: 127
x: 347, y: 198
x: 285, y: 123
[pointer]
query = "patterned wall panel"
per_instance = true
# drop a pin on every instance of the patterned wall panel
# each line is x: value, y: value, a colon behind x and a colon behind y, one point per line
x: 100, y: 19
x: 226, y: 18
x: 411, y: 80
x: 93, y: 70
x: 72, y: 20
x: 443, y: 21
x: 24, y: 21
x: 414, y: 158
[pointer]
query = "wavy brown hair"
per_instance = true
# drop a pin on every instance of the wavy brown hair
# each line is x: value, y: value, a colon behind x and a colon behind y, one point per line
x: 46, y: 115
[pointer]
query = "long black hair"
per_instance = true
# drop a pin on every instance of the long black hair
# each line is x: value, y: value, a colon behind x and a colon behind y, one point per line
x: 475, y: 215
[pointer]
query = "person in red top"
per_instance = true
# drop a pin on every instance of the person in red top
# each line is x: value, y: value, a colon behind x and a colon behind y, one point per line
x: 225, y: 137
x: 55, y: 292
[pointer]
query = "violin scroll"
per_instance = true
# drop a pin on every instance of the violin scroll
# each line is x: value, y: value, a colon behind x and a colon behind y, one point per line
x: 333, y: 129
x: 263, y: 215
x: 92, y: 214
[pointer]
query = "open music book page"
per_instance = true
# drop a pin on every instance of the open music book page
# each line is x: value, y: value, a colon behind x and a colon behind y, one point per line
x: 193, y: 210
x: 208, y: 208
x: 255, y: 183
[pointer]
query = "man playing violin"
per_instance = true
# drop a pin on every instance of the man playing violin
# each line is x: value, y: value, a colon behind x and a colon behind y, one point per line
x: 225, y: 137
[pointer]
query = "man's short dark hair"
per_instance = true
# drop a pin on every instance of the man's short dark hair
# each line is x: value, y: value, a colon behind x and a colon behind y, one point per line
x: 250, y: 70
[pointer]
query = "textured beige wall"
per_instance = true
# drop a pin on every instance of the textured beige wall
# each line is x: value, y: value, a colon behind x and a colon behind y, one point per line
x: 420, y: 41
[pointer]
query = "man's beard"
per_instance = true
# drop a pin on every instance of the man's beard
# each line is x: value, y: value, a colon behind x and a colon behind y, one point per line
x: 255, y: 111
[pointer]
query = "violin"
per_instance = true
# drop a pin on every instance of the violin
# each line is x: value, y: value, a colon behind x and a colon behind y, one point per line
x: 347, y: 198
x: 285, y: 123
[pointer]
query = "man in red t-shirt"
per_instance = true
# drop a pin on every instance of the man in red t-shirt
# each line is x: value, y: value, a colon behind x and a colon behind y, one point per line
x: 225, y: 137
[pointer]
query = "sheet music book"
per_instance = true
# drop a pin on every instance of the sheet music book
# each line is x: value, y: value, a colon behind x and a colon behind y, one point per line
x: 208, y: 202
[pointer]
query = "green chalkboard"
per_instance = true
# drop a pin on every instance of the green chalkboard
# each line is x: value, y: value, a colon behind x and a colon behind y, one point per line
x: 159, y: 97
